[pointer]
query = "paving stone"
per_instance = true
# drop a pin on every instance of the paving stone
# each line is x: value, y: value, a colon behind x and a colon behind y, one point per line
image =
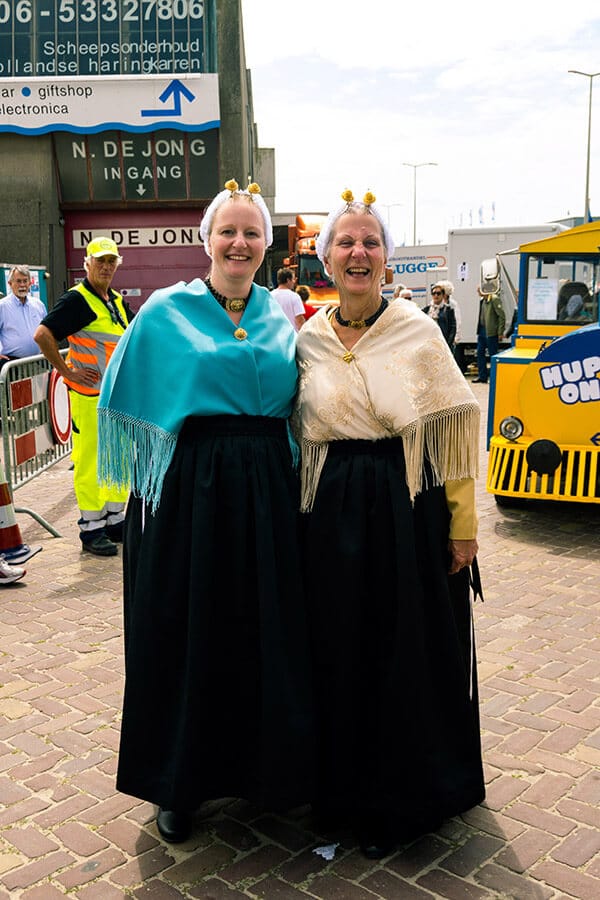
x: 384, y: 884
x: 420, y: 855
x: 476, y: 850
x: 44, y: 892
x: 283, y: 833
x: 91, y: 869
x: 61, y: 812
x: 588, y: 789
x: 213, y: 859
x: 547, y: 790
x: 506, y: 884
x: 79, y: 839
x: 272, y: 888
x: 144, y: 866
x: 563, y: 739
x: 556, y: 762
x: 23, y: 810
x: 330, y: 887
x: 157, y: 890
x: 525, y: 850
x: 581, y: 812
x: 99, y: 890
x: 128, y: 837
x: 442, y: 884
x: 300, y: 867
x: 504, y: 790
x: 511, y: 765
x: 493, y: 822
x: 578, y: 848
x: 28, y: 875
x: 234, y: 833
x: 253, y: 865
x: 539, y: 818
x: 568, y: 880
x: 212, y: 889
x: 30, y: 841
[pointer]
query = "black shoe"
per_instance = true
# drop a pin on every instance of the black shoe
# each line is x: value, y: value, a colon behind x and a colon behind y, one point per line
x: 376, y: 838
x: 376, y: 851
x: 174, y: 827
x: 115, y: 532
x: 479, y: 381
x: 100, y: 546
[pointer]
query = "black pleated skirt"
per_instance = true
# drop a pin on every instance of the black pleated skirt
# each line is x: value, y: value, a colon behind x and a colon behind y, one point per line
x: 394, y: 658
x: 217, y: 696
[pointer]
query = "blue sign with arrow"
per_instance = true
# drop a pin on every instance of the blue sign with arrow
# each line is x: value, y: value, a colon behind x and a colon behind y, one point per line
x: 176, y: 90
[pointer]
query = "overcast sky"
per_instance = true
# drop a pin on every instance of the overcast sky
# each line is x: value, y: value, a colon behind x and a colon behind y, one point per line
x: 348, y: 91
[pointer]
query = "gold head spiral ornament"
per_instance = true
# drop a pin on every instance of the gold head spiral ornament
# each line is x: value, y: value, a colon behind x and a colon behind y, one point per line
x: 368, y: 203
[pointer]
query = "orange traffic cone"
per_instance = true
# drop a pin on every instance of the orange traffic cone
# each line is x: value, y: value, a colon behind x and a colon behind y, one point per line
x: 12, y: 547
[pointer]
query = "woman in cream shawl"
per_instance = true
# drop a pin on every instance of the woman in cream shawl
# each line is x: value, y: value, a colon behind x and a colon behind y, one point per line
x: 388, y: 429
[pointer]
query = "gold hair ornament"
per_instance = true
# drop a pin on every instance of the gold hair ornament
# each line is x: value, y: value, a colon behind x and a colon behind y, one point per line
x: 348, y: 197
x: 369, y: 198
x: 232, y: 185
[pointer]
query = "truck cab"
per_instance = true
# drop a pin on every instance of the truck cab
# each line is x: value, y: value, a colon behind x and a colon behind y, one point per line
x: 303, y: 259
x: 544, y: 401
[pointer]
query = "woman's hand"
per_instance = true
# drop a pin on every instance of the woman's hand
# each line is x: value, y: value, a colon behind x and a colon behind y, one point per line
x: 462, y: 553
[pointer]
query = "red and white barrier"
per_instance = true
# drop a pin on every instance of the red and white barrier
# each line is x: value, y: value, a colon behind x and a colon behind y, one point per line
x: 12, y: 547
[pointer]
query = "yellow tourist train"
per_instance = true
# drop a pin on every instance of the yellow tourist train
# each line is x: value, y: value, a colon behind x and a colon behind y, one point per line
x: 544, y: 401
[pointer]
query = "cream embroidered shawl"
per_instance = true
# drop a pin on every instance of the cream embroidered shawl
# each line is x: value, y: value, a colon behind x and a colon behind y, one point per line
x: 399, y: 379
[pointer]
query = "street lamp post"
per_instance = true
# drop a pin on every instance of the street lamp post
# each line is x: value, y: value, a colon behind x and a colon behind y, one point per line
x: 591, y: 76
x: 414, y: 167
x: 389, y: 206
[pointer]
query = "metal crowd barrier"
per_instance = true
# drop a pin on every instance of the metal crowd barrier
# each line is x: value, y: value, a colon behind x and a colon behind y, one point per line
x: 36, y: 423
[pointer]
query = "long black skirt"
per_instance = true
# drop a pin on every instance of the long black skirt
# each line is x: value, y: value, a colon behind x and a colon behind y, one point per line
x: 392, y: 639
x: 217, y: 695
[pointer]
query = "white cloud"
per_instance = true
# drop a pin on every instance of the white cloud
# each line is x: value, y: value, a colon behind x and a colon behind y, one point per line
x: 346, y: 92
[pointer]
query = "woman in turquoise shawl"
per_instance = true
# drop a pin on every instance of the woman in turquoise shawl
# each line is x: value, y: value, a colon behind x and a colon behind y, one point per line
x: 193, y: 418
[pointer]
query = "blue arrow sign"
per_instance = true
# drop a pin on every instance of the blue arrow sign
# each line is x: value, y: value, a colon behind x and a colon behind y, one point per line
x: 177, y: 90
x: 595, y: 439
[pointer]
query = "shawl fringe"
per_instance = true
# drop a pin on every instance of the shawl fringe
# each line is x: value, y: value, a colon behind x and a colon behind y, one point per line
x: 449, y: 439
x: 313, y: 460
x: 133, y: 454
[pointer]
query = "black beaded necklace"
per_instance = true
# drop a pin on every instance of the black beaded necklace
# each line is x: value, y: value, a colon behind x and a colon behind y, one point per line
x: 361, y: 323
x: 235, y: 304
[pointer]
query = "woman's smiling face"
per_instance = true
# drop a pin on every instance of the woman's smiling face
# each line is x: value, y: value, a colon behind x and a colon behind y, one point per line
x: 237, y: 239
x: 356, y: 256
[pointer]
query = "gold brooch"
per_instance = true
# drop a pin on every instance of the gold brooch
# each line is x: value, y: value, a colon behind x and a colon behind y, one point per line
x: 348, y: 357
x: 235, y: 305
x: 241, y: 334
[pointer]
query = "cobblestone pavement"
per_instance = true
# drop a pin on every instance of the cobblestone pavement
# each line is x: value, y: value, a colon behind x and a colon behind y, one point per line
x: 65, y: 831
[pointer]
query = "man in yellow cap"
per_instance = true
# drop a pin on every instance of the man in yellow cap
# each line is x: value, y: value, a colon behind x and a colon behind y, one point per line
x: 92, y: 317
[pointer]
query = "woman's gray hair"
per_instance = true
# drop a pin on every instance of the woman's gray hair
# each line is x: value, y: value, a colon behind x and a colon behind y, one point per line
x: 350, y: 205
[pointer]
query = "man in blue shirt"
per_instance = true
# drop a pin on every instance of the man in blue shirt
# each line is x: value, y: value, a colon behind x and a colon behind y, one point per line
x: 20, y: 315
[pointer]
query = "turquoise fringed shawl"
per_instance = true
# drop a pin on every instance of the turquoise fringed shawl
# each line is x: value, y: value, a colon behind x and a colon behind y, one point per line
x: 179, y: 358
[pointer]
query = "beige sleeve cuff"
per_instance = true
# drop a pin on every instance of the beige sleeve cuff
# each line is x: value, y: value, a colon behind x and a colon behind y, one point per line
x: 460, y: 497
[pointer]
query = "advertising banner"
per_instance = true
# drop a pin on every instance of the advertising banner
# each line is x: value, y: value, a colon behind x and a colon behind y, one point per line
x: 129, y: 103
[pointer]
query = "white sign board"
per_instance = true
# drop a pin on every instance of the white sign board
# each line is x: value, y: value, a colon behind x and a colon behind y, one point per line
x: 542, y: 299
x: 102, y: 103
